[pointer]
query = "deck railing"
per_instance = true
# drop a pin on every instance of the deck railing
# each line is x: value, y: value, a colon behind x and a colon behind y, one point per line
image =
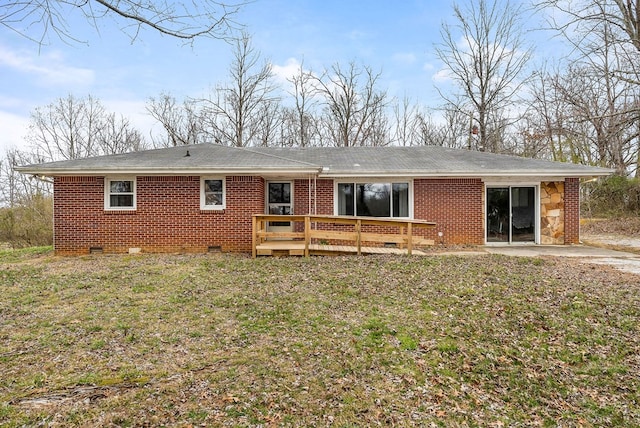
x: 349, y: 229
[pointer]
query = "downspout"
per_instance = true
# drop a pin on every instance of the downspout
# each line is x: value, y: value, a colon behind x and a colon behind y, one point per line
x: 309, y: 207
x: 309, y: 194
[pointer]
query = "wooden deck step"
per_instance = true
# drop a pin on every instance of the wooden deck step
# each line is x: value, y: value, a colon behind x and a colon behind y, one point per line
x: 296, y: 248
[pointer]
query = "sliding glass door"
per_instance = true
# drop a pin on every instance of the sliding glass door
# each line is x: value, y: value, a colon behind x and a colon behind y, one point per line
x: 511, y: 214
x: 498, y: 214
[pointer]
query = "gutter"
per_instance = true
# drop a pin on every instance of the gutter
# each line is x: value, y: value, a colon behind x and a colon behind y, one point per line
x: 54, y: 172
x: 466, y: 174
x: 310, y: 169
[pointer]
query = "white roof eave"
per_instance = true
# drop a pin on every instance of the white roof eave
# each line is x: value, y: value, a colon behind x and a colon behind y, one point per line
x: 465, y: 174
x: 319, y: 172
x: 56, y: 172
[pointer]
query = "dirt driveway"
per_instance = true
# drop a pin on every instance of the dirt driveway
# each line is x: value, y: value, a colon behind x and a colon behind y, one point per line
x: 593, y: 252
x: 626, y: 247
x: 621, y: 253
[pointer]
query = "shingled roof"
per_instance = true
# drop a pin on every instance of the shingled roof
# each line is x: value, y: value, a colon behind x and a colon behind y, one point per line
x: 418, y: 161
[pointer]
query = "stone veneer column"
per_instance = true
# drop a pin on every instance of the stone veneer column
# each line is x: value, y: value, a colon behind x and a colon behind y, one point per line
x: 552, y: 213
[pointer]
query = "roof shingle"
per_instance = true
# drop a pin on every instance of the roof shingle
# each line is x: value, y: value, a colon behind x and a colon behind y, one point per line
x: 326, y: 161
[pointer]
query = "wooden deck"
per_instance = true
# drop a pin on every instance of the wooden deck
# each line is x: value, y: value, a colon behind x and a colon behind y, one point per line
x: 297, y: 248
x: 323, y: 235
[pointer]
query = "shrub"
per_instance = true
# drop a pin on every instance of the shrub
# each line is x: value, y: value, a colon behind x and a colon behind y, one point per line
x: 29, y: 223
x: 612, y: 196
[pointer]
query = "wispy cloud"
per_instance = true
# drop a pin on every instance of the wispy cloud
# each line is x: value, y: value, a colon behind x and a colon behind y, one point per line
x: 442, y: 75
x: 48, y: 70
x: 133, y: 110
x: 357, y: 35
x: 285, y: 72
x: 14, y: 129
x: 406, y: 58
x: 427, y: 66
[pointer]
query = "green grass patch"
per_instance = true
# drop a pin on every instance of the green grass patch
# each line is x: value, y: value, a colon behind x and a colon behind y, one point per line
x: 8, y: 256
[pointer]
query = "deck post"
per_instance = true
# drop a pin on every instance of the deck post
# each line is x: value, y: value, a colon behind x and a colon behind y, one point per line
x: 359, y: 236
x: 409, y: 237
x: 254, y: 236
x: 307, y: 235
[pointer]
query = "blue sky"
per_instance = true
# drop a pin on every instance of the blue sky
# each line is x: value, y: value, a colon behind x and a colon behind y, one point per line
x: 395, y: 37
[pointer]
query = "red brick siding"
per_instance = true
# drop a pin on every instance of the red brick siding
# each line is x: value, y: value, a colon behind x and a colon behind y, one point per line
x: 323, y: 196
x: 456, y: 205
x: 78, y: 207
x: 572, y: 211
x: 168, y: 216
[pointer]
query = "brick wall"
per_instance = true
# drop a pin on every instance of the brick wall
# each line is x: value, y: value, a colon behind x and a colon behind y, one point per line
x: 572, y: 211
x: 168, y: 216
x: 456, y: 205
x: 323, y: 195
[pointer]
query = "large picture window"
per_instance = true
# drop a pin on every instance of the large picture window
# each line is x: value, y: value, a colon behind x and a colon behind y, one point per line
x: 373, y: 199
x: 212, y: 194
x: 120, y: 194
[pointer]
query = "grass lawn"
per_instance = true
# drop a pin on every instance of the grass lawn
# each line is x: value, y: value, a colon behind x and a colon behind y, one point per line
x: 224, y: 340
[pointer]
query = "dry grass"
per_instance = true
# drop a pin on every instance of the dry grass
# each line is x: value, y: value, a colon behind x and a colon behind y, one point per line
x: 619, y: 226
x: 221, y: 340
x: 622, y: 234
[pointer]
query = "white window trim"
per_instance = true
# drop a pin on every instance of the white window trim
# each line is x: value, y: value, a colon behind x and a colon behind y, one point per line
x: 203, y: 199
x: 266, y: 194
x: 107, y: 193
x: 374, y: 180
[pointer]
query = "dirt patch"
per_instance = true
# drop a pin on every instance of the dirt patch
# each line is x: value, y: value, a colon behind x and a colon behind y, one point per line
x: 626, y: 265
x: 625, y: 226
x: 621, y: 234
x: 84, y: 395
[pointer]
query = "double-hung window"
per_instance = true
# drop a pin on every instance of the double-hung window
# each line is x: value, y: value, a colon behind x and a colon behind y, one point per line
x: 120, y: 194
x: 373, y: 199
x: 212, y: 194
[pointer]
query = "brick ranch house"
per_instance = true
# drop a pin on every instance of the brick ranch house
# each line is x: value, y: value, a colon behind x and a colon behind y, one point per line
x: 201, y: 197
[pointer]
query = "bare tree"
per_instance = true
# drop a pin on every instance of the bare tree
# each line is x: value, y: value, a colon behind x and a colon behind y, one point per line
x: 583, y: 116
x: 119, y: 136
x: 181, y: 122
x: 187, y: 21
x: 67, y: 128
x: 449, y: 129
x: 8, y: 179
x: 405, y: 120
x: 545, y: 122
x: 233, y: 115
x: 16, y: 188
x: 354, y: 109
x: 268, y: 123
x: 603, y: 91
x: 73, y: 128
x: 301, y: 120
x: 583, y: 22
x: 489, y: 65
x: 605, y: 114
x: 26, y: 204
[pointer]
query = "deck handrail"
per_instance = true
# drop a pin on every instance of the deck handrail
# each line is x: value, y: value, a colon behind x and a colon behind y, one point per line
x: 405, y: 235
